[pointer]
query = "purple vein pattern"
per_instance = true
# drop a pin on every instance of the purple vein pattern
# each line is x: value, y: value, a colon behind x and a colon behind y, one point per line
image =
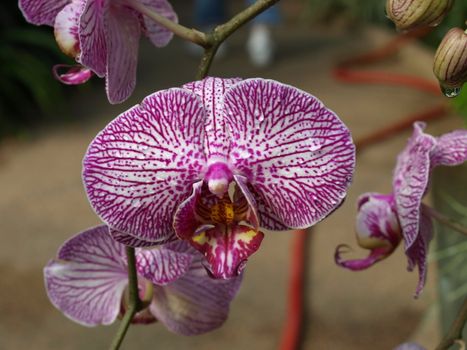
x: 297, y: 155
x: 143, y: 164
x: 88, y: 278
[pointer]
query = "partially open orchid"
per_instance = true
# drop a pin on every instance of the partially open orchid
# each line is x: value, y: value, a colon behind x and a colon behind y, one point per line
x: 103, y: 37
x: 214, y: 161
x: 383, y: 220
x: 88, y: 279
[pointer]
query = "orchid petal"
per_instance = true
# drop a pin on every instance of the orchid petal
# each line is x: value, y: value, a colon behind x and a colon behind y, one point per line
x: 185, y: 220
x: 296, y: 153
x: 451, y: 149
x: 92, y: 36
x: 75, y: 75
x: 253, y: 212
x: 41, y: 11
x: 417, y: 253
x: 141, y: 166
x: 195, y: 303
x: 227, y: 248
x: 411, y: 180
x: 211, y: 91
x: 87, y: 280
x: 157, y: 34
x: 122, y: 35
x: 410, y: 346
x: 162, y: 265
x: 373, y: 257
x: 132, y: 241
x: 66, y: 28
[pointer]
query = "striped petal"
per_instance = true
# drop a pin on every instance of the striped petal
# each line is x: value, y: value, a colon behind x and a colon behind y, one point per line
x: 417, y: 253
x: 450, y: 149
x: 377, y: 230
x: 87, y: 279
x: 41, y: 11
x: 211, y: 91
x: 195, y: 303
x: 142, y: 165
x: 122, y: 36
x: 92, y: 36
x: 185, y: 220
x: 297, y: 154
x: 132, y: 241
x: 227, y: 248
x: 157, y: 34
x: 164, y: 264
x: 411, y: 180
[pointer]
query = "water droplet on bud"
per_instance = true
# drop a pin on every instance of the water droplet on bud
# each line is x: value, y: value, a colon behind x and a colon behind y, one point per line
x: 450, y: 92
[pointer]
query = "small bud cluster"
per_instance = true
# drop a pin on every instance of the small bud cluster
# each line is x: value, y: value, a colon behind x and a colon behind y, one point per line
x: 450, y: 63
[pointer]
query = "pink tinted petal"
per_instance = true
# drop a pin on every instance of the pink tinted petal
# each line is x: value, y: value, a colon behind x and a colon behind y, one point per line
x: 74, y: 75
x: 159, y: 35
x: 92, y: 36
x: 410, y: 182
x: 142, y: 165
x: 195, y: 303
x: 451, y: 149
x: 87, y: 280
x: 122, y: 37
x: 410, y: 346
x: 296, y: 153
x: 185, y: 220
x: 132, y: 241
x: 227, y: 248
x: 253, y: 217
x: 373, y: 257
x: 41, y: 11
x: 211, y: 91
x: 417, y: 253
x: 267, y: 219
x: 162, y: 265
x: 66, y: 28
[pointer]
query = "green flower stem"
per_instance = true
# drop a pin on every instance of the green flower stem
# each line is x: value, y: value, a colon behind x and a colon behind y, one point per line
x: 451, y: 223
x: 134, y: 303
x: 223, y: 31
x: 454, y: 335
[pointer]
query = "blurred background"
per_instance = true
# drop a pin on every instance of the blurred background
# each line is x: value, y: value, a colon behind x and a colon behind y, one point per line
x: 46, y: 127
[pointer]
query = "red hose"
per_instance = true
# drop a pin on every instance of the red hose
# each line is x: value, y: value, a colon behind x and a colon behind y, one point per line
x: 345, y: 71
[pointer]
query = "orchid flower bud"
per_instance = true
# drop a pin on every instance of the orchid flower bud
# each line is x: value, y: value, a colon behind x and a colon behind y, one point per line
x: 66, y: 29
x: 411, y: 14
x: 450, y: 63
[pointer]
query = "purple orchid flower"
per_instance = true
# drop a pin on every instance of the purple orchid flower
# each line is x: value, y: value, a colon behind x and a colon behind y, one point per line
x: 213, y: 161
x: 384, y: 220
x: 103, y: 37
x: 410, y: 346
x: 88, y: 279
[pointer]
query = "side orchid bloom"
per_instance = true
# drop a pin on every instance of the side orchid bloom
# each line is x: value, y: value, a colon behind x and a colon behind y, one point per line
x: 88, y: 279
x: 384, y: 220
x: 103, y: 37
x: 216, y: 160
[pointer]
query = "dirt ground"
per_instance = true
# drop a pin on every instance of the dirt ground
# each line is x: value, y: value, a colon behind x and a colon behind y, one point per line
x: 42, y: 203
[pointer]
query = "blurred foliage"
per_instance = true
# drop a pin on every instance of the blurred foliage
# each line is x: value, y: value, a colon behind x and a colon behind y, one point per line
x: 460, y: 103
x: 28, y: 92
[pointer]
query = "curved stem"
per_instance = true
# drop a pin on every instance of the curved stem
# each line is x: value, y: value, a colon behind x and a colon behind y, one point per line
x: 134, y: 303
x: 451, y: 223
x: 223, y: 31
x: 454, y: 335
x: 192, y: 35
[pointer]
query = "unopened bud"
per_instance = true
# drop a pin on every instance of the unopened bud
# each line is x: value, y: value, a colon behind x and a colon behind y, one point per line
x: 450, y: 63
x: 66, y: 29
x: 411, y: 14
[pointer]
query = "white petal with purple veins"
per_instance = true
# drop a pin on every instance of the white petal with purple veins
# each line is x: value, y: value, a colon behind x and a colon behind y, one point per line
x: 66, y: 28
x: 211, y: 91
x: 411, y: 180
x: 450, y: 149
x: 142, y: 165
x: 297, y: 154
x: 134, y: 242
x: 195, y: 303
x: 87, y: 280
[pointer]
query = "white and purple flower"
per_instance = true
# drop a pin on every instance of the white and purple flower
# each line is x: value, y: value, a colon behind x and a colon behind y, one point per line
x: 384, y: 220
x: 88, y: 279
x: 213, y: 161
x: 103, y: 37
